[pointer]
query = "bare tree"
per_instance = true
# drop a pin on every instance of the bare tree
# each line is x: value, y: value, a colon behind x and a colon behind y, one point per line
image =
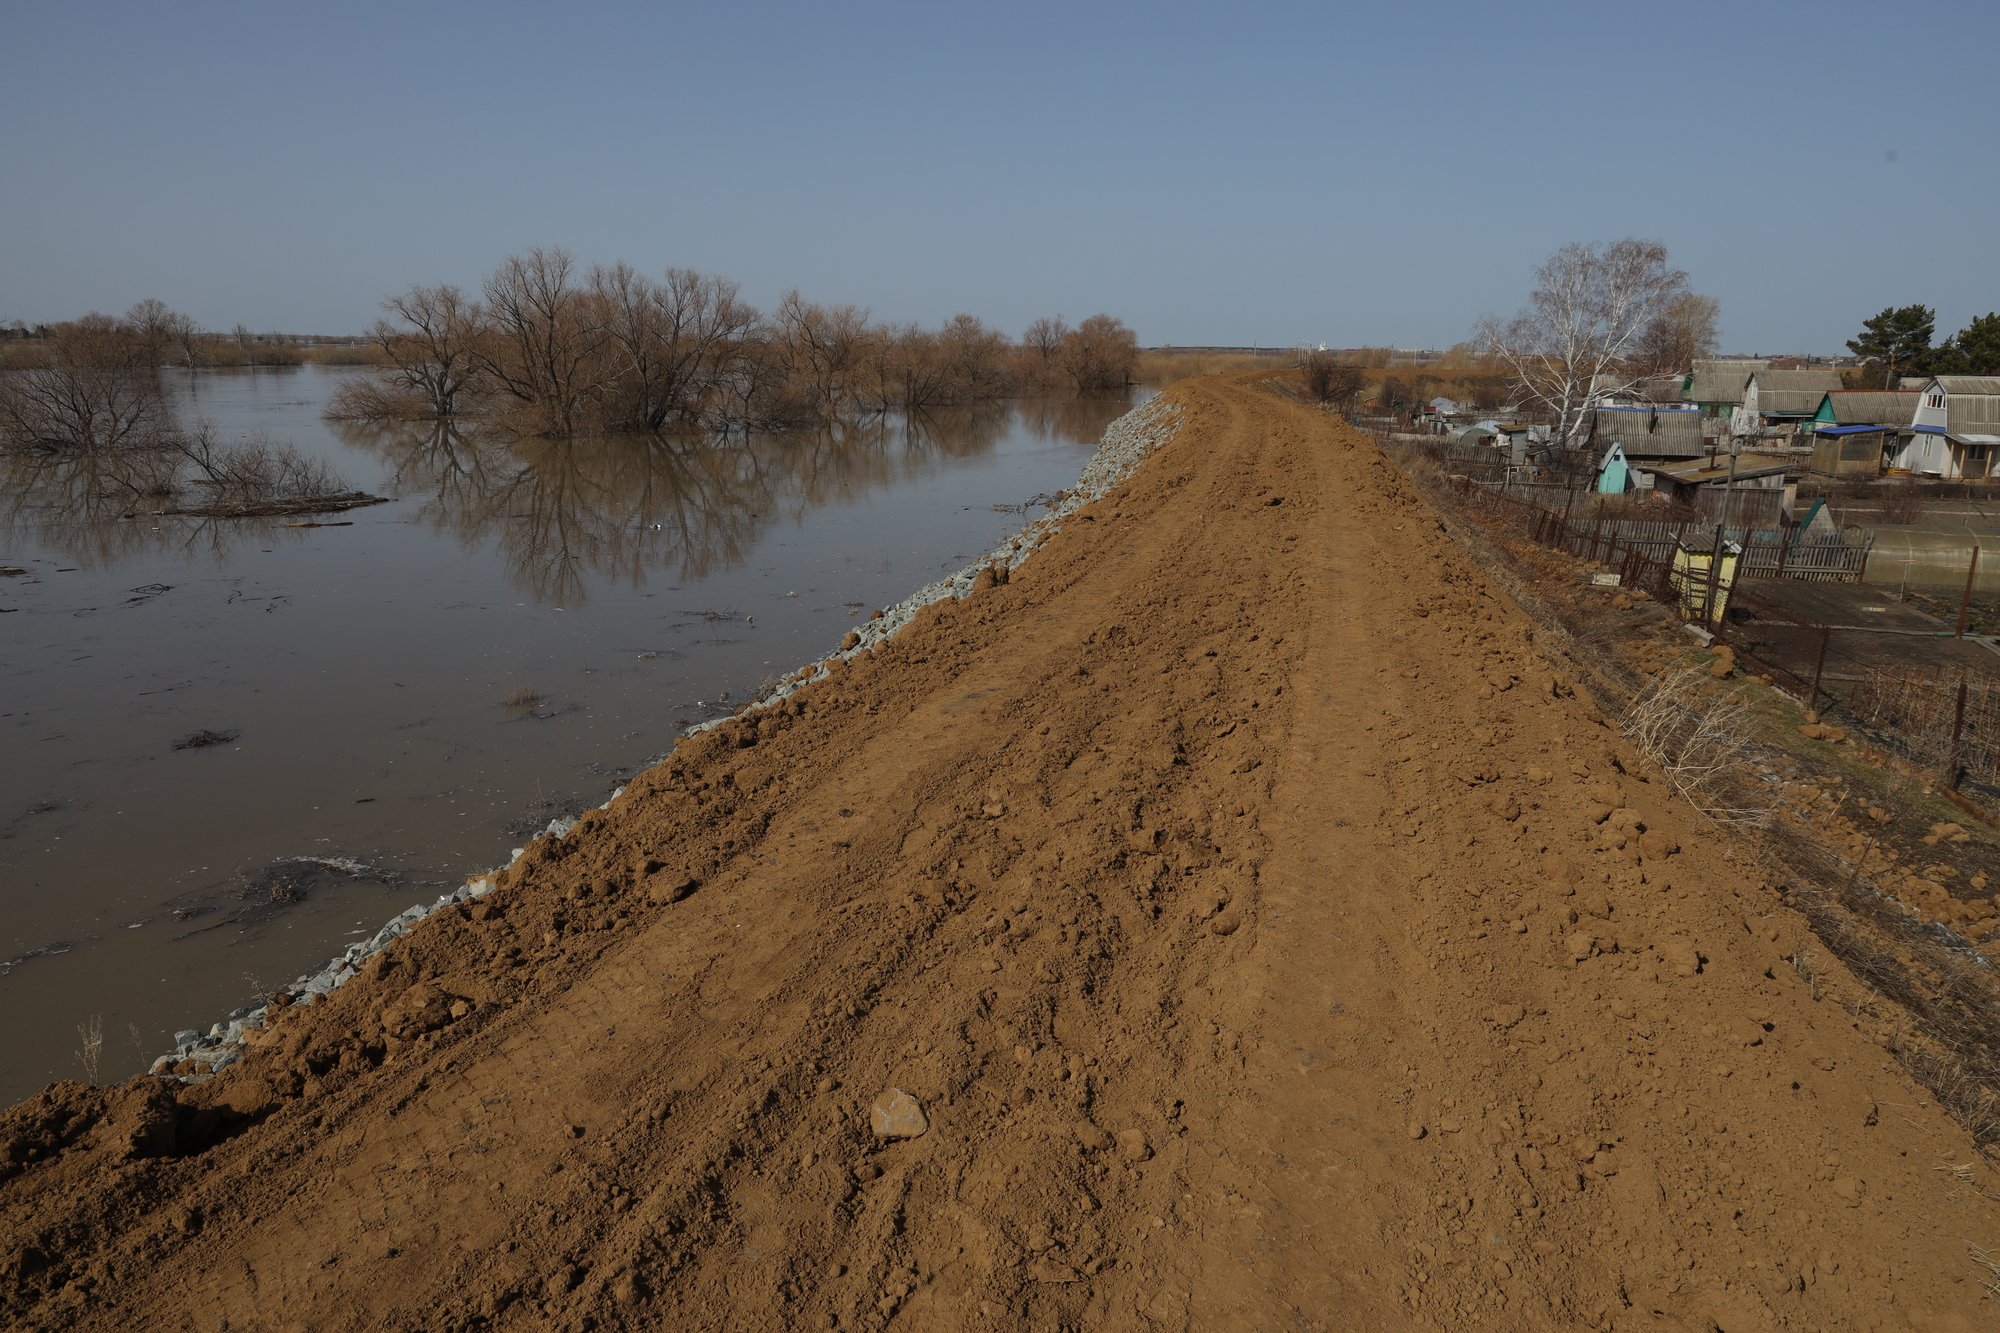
x: 1329, y: 381
x: 1099, y: 355
x: 431, y: 348
x: 1583, y: 317
x: 820, y: 349
x: 1682, y: 333
x: 975, y: 358
x: 1044, y: 337
x: 153, y: 322
x: 545, y: 338
x: 703, y: 324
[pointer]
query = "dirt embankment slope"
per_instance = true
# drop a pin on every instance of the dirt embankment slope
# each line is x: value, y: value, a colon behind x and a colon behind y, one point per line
x: 1270, y: 935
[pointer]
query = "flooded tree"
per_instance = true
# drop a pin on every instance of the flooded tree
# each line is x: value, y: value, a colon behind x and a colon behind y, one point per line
x: 672, y: 341
x: 544, y: 341
x: 820, y: 349
x: 94, y: 388
x: 1099, y: 355
x: 554, y: 353
x: 1043, y: 342
x: 430, y: 349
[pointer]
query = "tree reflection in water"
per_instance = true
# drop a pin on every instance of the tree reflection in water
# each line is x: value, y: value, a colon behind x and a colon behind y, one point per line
x: 566, y: 512
x: 563, y: 512
x: 95, y: 508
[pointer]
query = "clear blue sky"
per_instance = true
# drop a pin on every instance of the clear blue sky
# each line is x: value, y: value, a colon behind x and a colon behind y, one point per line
x: 1211, y: 173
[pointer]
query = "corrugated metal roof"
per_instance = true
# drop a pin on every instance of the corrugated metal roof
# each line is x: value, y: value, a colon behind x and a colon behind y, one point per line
x: 1720, y: 381
x: 1649, y: 432
x: 1788, y: 402
x: 1793, y: 393
x: 1823, y: 378
x: 1969, y: 383
x: 1874, y: 407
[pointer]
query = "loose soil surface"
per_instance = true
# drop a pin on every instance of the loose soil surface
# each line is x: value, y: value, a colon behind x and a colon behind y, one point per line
x: 1263, y: 929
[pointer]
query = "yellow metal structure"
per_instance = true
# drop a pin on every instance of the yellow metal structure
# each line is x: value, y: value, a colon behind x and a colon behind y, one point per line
x: 1693, y: 569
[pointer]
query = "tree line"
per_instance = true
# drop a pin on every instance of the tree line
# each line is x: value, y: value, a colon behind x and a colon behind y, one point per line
x: 547, y: 348
x: 1897, y: 342
x: 167, y: 337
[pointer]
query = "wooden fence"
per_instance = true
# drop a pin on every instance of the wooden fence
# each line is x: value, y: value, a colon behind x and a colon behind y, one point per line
x: 1768, y: 553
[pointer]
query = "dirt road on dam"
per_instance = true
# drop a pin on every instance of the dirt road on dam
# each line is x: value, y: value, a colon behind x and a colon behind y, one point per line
x: 1233, y: 919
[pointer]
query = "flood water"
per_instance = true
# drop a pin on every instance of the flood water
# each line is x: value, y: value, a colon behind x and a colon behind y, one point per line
x: 403, y: 700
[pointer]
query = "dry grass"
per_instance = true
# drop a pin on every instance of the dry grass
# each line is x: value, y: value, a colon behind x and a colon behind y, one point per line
x: 1161, y: 367
x: 90, y: 1033
x: 522, y: 698
x: 1700, y: 739
x: 1989, y: 1281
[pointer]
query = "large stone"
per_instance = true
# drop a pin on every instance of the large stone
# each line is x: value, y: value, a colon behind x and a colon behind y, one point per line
x: 896, y: 1115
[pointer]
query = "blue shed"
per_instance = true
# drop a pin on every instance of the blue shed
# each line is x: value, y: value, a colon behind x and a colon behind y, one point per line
x: 1614, y: 474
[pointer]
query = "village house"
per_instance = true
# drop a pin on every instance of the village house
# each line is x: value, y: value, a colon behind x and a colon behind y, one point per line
x: 1716, y: 387
x: 1955, y: 430
x: 1854, y: 430
x: 1784, y: 400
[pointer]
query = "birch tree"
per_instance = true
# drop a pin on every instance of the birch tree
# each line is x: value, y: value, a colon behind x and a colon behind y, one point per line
x: 1583, y: 318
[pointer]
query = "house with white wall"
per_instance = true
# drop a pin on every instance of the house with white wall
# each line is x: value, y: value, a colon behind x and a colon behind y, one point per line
x: 1955, y: 433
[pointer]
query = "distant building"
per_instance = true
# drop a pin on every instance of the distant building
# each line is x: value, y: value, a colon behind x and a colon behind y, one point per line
x: 1955, y: 430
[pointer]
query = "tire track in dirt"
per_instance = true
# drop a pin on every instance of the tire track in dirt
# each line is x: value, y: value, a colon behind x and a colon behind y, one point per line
x: 1270, y: 934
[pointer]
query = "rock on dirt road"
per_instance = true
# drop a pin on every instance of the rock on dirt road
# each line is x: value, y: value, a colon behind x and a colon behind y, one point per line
x: 1268, y: 933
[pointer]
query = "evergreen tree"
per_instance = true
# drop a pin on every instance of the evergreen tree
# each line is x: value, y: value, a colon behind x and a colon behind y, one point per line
x: 1973, y: 350
x: 1898, y: 340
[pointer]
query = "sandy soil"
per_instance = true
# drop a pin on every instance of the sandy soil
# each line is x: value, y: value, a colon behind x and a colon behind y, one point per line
x: 1269, y: 933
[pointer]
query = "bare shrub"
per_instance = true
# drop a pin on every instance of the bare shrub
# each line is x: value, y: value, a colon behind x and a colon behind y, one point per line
x: 371, y: 400
x: 1700, y: 738
x: 255, y: 469
x: 1328, y: 381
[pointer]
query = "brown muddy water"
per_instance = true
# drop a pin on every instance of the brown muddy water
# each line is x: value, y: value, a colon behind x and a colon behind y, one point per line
x: 396, y: 702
